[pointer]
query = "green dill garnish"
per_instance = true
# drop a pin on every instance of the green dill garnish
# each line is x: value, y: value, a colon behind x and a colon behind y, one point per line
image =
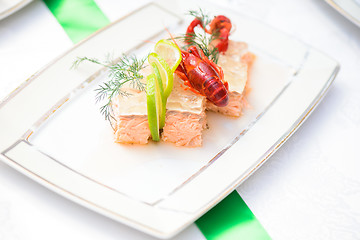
x: 203, y: 18
x: 202, y: 40
x: 126, y: 70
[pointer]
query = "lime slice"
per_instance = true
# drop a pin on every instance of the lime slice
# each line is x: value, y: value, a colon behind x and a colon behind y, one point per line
x: 152, y: 107
x: 165, y: 72
x: 159, y: 95
x: 159, y: 84
x: 170, y: 52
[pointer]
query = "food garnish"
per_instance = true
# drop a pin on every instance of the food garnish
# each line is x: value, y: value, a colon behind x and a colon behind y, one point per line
x: 126, y: 70
x: 165, y: 72
x: 213, y: 39
x: 170, y: 52
x: 155, y: 100
x: 197, y: 70
x: 201, y: 39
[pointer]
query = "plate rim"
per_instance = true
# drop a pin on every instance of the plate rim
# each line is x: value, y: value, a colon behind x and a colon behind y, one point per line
x: 14, y: 8
x: 343, y: 12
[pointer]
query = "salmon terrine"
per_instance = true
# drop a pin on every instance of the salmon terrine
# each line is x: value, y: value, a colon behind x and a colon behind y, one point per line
x: 185, y: 116
x: 184, y: 123
x: 130, y: 121
x: 236, y: 63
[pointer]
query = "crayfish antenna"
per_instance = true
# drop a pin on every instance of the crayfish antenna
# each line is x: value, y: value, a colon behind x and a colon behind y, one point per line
x: 149, y: 41
x: 172, y: 38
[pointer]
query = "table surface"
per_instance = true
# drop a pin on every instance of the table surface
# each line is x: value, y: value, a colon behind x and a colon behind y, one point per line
x: 309, y: 189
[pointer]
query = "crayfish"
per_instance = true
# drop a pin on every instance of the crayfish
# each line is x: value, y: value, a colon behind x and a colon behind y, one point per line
x: 220, y: 26
x: 203, y: 75
x: 199, y: 72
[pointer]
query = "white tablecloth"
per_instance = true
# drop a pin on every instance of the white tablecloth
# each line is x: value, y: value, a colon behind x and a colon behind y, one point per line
x: 310, y: 189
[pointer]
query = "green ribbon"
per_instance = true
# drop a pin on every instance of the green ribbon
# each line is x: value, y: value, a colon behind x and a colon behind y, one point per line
x: 230, y: 219
x: 79, y: 18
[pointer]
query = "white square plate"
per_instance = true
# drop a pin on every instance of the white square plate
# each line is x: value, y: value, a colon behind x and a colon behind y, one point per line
x: 52, y: 131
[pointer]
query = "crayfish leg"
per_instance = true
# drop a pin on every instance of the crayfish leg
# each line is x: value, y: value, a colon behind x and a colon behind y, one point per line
x: 191, y: 27
x: 181, y: 75
x: 190, y: 87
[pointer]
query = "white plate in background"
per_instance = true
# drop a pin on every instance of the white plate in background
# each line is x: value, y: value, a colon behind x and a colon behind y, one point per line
x: 348, y: 8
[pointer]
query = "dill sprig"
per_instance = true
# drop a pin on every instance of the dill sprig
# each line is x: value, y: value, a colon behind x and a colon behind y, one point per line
x: 126, y: 70
x: 203, y: 17
x: 202, y: 40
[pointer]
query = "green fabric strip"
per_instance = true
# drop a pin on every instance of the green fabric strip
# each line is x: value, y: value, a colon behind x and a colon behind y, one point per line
x: 79, y: 18
x: 231, y: 219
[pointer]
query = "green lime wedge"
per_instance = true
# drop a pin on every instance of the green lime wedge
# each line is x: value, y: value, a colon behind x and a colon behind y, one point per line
x: 152, y: 107
x: 165, y: 72
x: 159, y: 95
x: 170, y: 52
